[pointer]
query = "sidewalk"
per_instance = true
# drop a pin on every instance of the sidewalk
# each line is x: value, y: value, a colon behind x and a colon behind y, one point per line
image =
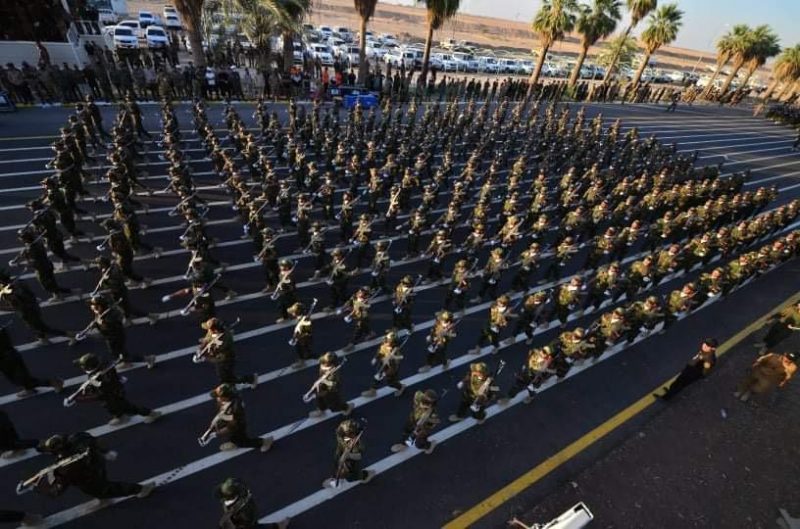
x: 705, y: 460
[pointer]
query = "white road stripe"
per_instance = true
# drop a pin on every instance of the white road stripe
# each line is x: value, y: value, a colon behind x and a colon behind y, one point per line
x: 199, y: 465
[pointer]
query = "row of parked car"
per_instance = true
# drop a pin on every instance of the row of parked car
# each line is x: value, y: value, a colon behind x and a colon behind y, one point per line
x: 145, y: 31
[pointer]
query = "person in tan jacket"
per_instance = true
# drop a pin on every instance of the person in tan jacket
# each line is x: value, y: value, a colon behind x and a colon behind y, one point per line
x: 768, y: 371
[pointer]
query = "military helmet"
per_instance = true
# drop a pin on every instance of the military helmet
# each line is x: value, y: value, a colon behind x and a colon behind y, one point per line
x: 578, y: 332
x: 480, y: 368
x: 285, y: 264
x: 54, y: 444
x: 296, y: 310
x: 88, y: 362
x: 504, y: 299
x: 382, y: 245
x: 390, y: 336
x: 26, y: 235
x: 329, y: 359
x: 407, y: 280
x: 212, y: 324
x: 224, y: 391
x: 98, y: 300
x: 363, y: 216
x: 231, y: 488
x: 653, y: 300
x: 429, y: 397
x: 350, y: 427
x: 619, y: 312
x: 446, y: 316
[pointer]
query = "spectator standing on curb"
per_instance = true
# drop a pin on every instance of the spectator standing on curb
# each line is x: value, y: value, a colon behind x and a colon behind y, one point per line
x: 698, y: 367
x: 768, y: 371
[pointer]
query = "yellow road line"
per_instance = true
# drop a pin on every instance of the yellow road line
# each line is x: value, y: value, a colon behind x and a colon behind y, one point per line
x: 541, y: 470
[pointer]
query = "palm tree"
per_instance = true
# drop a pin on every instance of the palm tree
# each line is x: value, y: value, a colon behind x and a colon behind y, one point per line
x: 191, y: 12
x: 438, y: 12
x: 594, y: 23
x: 725, y: 49
x: 744, y: 48
x: 765, y: 47
x: 553, y: 20
x: 365, y: 8
x: 622, y: 48
x: 663, y: 28
x: 638, y: 10
x: 289, y: 25
x: 786, y: 70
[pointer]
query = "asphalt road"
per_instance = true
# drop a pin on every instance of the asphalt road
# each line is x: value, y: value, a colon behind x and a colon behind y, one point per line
x: 411, y: 490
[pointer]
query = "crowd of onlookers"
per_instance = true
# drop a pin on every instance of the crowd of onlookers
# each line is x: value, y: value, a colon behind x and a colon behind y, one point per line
x: 235, y: 72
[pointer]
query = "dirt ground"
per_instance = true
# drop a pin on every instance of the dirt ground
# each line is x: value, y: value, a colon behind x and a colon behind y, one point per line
x: 706, y: 460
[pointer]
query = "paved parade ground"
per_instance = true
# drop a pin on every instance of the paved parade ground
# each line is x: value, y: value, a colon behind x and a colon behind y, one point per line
x: 471, y: 461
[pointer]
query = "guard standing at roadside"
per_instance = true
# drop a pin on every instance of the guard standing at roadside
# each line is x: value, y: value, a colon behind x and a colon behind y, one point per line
x: 699, y: 367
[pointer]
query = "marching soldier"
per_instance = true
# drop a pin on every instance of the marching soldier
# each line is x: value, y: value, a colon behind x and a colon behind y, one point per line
x: 491, y: 274
x: 667, y: 262
x: 644, y: 316
x: 345, y: 216
x: 442, y: 333
x: 104, y: 384
x: 113, y: 282
x: 81, y: 463
x: 680, y: 302
x: 534, y: 314
x: 477, y: 390
x: 268, y: 256
x: 475, y: 240
x: 302, y: 335
x: 230, y: 422
x: 21, y: 299
x: 285, y: 291
x: 533, y: 373
x: 36, y: 256
x: 358, y: 304
x: 459, y: 285
x: 361, y: 239
x: 338, y: 277
x: 349, y: 454
x: 420, y: 423
x: 640, y: 276
x: 44, y: 220
x: 217, y: 347
x: 437, y: 250
x: 563, y: 254
x: 713, y: 283
x: 381, y: 263
x: 121, y: 250
x: 327, y: 391
x: 402, y: 303
x: 608, y: 283
x: 239, y: 509
x: 572, y: 347
x: 613, y: 326
x: 568, y: 299
x: 416, y: 224
x: 107, y: 319
x: 387, y: 360
x: 499, y: 314
x: 14, y: 369
x: 528, y: 261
